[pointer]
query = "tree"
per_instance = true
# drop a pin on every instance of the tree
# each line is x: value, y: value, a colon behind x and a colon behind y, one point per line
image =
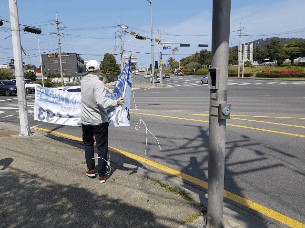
x: 109, y: 68
x: 172, y: 63
x: 275, y: 51
x: 233, y: 55
x: 205, y: 57
x: 259, y: 54
x: 30, y: 75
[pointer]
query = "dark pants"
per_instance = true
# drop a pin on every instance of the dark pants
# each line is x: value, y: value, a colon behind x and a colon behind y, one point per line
x: 100, y: 134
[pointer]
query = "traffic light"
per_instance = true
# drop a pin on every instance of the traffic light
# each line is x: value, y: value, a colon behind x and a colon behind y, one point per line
x: 202, y: 45
x: 140, y: 37
x: 158, y: 40
x: 156, y: 65
x: 1, y: 22
x: 32, y: 29
x: 185, y: 45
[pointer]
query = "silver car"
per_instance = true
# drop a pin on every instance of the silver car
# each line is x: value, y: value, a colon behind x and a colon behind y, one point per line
x: 204, y: 79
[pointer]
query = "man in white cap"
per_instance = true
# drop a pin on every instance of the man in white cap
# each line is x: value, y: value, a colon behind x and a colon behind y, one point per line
x: 94, y: 120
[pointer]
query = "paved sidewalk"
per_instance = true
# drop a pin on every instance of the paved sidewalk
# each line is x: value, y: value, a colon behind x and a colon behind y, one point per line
x: 43, y: 184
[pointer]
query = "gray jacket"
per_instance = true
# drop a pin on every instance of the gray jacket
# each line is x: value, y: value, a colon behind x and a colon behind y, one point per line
x: 94, y: 102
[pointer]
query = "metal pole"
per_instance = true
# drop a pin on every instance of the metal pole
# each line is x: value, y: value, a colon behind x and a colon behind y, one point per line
x: 18, y: 63
x: 243, y: 61
x: 152, y: 43
x: 217, y: 125
x: 59, y: 51
x: 161, y: 61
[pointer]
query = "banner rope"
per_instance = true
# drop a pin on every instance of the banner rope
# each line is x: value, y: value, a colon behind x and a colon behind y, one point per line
x: 138, y: 126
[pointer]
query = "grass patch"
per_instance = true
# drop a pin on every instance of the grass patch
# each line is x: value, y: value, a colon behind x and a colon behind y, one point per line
x: 174, y: 190
x: 191, y: 218
x: 201, y: 210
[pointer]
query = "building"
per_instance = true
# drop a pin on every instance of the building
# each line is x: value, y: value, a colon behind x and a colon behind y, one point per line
x: 72, y: 64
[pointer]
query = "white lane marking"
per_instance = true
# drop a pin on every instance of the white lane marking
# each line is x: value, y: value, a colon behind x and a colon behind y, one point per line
x: 8, y: 108
x: 7, y: 116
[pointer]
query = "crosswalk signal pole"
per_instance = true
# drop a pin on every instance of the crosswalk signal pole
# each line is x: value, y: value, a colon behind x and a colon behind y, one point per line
x: 219, y: 111
x: 18, y: 63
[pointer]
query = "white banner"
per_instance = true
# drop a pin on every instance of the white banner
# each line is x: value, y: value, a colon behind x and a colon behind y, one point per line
x: 59, y: 106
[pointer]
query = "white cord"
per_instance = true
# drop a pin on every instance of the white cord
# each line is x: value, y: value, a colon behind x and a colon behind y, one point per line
x: 138, y: 126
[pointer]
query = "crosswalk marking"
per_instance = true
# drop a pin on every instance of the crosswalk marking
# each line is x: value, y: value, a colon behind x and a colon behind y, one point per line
x: 178, y: 82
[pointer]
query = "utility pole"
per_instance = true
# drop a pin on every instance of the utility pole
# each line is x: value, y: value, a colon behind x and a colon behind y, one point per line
x: 152, y: 43
x: 59, y: 50
x: 123, y: 30
x: 18, y: 63
x: 219, y: 111
x: 40, y: 58
x: 161, y: 61
x: 240, y: 49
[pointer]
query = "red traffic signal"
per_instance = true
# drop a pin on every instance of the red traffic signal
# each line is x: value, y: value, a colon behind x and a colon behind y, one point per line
x: 32, y: 29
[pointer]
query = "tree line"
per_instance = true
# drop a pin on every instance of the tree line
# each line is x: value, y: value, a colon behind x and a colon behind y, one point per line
x: 273, y: 49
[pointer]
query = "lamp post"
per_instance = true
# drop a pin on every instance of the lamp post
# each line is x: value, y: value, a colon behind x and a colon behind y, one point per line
x: 152, y: 43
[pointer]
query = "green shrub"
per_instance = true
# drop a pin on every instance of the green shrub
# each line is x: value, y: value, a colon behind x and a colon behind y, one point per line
x: 48, y: 83
x: 202, y: 71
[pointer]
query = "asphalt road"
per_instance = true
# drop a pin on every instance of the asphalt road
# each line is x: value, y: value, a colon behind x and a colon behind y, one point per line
x: 264, y: 141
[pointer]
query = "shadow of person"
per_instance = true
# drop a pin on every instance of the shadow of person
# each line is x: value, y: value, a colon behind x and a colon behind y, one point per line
x: 5, y: 163
x: 193, y: 169
x: 27, y: 200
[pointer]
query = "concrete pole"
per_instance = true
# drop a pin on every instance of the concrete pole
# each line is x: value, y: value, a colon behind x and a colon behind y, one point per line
x: 217, y: 126
x: 152, y: 43
x: 40, y: 58
x: 160, y: 65
x: 59, y: 52
x: 18, y: 63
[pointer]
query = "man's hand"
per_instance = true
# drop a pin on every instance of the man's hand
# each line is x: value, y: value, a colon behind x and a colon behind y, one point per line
x: 120, y: 101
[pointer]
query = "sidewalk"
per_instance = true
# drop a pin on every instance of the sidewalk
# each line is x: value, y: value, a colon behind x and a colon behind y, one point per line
x: 43, y: 184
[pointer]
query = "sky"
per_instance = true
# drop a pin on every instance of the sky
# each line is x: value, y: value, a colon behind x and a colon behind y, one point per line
x: 92, y: 28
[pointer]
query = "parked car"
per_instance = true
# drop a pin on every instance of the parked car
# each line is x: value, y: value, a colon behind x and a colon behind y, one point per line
x: 72, y: 88
x: 8, y: 87
x: 148, y: 75
x: 204, y: 79
x: 166, y: 76
x: 157, y: 79
x: 29, y: 85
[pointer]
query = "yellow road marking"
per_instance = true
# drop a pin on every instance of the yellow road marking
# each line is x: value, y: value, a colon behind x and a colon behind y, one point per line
x: 231, y: 125
x: 268, y: 122
x: 236, y: 198
x: 266, y: 117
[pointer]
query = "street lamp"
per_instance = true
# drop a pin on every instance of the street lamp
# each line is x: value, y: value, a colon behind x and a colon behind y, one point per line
x: 152, y: 43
